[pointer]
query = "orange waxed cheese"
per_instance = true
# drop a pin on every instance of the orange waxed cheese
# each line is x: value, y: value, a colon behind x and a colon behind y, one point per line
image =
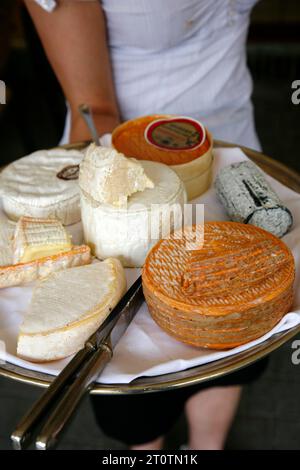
x: 231, y: 290
x: 129, y: 139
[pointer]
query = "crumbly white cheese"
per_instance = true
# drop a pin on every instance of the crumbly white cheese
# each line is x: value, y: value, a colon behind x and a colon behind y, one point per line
x: 128, y: 233
x: 31, y: 187
x: 110, y: 177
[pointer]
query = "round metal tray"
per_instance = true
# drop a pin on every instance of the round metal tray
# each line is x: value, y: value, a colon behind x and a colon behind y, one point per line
x: 196, y: 374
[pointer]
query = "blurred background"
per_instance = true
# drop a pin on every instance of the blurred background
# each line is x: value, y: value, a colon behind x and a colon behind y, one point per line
x: 33, y: 118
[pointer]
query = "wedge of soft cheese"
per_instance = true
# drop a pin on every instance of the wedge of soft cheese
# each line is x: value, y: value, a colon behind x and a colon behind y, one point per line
x: 39, y: 238
x: 67, y: 307
x: 110, y: 177
x: 22, y: 273
x: 35, y: 248
x: 7, y: 229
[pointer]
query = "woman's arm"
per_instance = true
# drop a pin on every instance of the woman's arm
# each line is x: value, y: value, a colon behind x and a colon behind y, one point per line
x: 74, y: 38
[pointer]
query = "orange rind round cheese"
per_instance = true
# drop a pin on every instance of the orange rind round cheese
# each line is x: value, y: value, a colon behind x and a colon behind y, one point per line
x: 220, y: 290
x: 129, y: 139
x: 193, y: 165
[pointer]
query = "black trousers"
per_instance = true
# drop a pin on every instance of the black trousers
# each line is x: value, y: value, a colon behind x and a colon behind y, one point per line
x: 136, y: 419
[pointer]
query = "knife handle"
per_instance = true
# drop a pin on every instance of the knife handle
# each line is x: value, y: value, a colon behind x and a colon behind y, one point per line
x: 22, y: 435
x: 69, y: 400
x: 86, y: 113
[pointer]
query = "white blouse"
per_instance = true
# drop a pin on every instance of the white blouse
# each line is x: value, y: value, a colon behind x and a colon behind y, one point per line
x: 185, y: 57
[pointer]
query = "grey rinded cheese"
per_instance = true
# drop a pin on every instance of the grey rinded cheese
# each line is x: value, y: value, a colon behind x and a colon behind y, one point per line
x: 248, y: 198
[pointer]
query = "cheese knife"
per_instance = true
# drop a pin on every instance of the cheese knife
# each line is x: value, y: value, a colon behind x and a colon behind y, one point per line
x: 64, y: 394
x: 86, y: 113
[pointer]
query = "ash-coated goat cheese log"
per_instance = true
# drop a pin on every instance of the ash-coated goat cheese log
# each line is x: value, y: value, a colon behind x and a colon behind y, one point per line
x: 248, y: 198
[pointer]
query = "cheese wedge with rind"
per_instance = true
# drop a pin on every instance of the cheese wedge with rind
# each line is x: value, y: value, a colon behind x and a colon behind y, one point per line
x: 39, y: 238
x: 22, y: 273
x: 7, y: 229
x: 67, y: 307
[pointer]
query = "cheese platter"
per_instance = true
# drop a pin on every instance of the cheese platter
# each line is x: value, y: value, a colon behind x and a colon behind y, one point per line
x: 193, y: 373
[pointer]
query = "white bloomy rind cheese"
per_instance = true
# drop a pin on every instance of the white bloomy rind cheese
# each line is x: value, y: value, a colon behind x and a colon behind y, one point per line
x: 38, y: 238
x: 21, y: 273
x: 67, y: 307
x: 34, y: 248
x: 128, y: 233
x: 109, y: 177
x: 30, y: 186
x: 7, y: 229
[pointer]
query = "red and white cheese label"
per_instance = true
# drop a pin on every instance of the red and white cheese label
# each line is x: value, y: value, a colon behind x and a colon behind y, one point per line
x: 178, y: 133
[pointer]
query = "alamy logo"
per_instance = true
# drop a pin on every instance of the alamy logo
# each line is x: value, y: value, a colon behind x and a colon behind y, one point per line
x: 296, y: 354
x: 2, y: 92
x: 296, y: 93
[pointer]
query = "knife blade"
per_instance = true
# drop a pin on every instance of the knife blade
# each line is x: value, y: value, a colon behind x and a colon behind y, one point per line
x: 120, y: 317
x: 78, y: 376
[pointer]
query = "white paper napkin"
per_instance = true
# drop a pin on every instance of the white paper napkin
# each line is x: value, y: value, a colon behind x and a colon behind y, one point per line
x: 145, y: 349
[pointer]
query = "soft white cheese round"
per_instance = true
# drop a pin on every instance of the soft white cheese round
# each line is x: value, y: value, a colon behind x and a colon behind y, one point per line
x: 129, y: 233
x: 34, y: 186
